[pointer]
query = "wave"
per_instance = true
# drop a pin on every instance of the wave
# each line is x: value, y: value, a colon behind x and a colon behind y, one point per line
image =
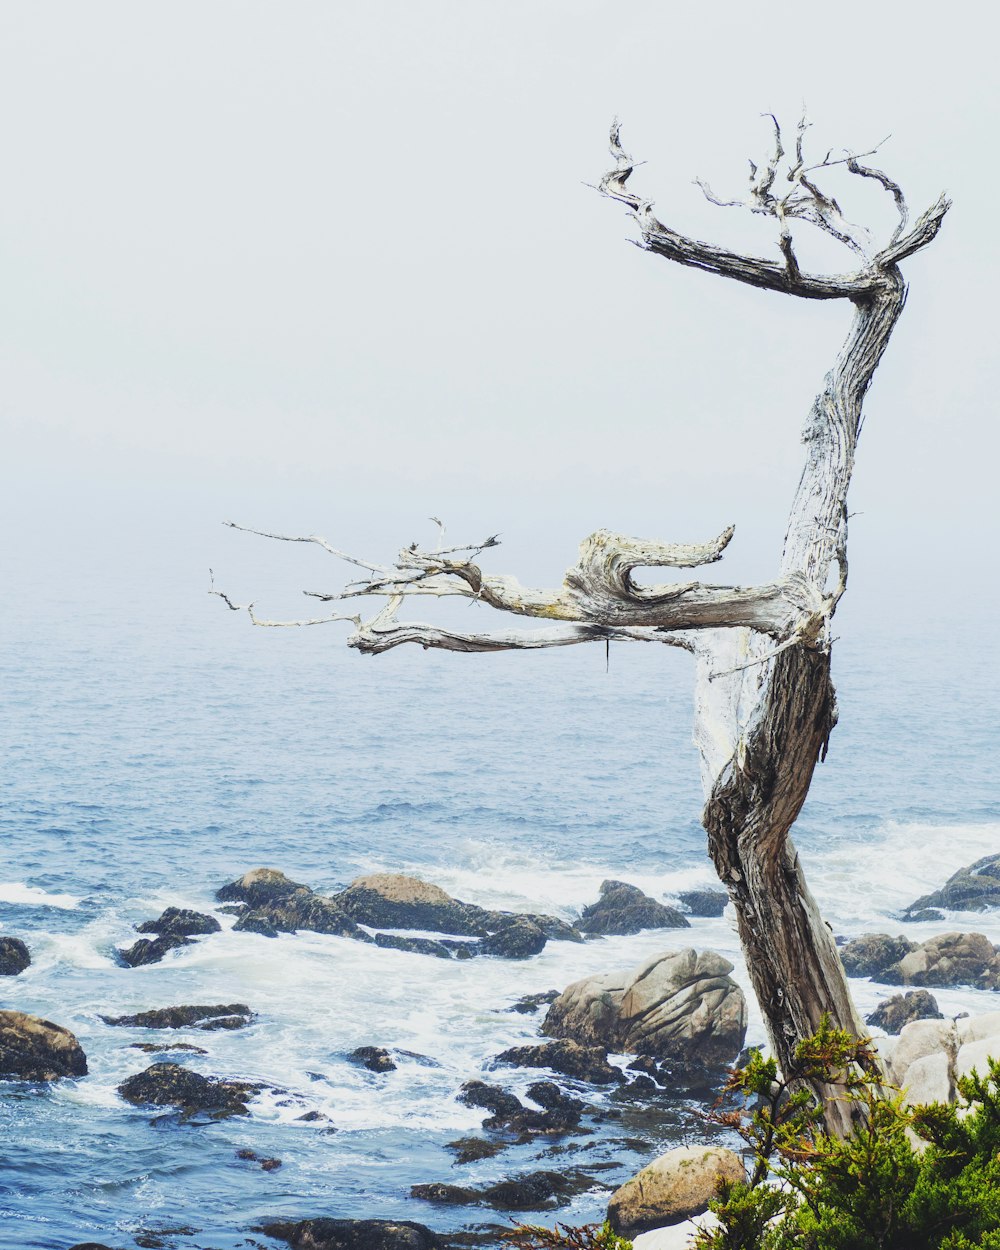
x: 21, y: 895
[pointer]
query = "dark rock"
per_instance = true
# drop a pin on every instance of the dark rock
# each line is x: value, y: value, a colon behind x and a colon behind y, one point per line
x: 162, y: 1238
x: 461, y: 950
x: 872, y: 953
x: 169, y: 1085
x: 548, y: 1095
x: 90, y: 1245
x: 151, y: 950
x: 257, y: 887
x: 585, y: 1063
x: 532, y: 1192
x: 532, y: 1002
x: 353, y: 1235
x: 276, y: 905
x: 924, y: 915
x: 180, y: 922
x: 556, y: 930
x: 395, y: 901
x: 154, y: 1048
x: 221, y: 1016
x: 896, y: 1012
x: 560, y: 1113
x: 973, y: 888
x: 232, y: 909
x: 374, y: 1058
x: 416, y: 945
x: 624, y: 909
x: 472, y: 1149
x: 519, y: 938
x: 704, y: 902
x: 948, y: 960
x: 33, y: 1049
x: 501, y: 1102
x: 251, y: 1156
x: 14, y: 956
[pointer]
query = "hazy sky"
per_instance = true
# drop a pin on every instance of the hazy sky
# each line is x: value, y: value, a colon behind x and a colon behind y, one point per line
x: 333, y: 267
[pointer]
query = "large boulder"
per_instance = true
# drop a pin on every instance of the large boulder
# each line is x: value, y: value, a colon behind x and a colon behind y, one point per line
x: 895, y: 1013
x: 584, y: 1063
x: 170, y: 1085
x: 387, y: 900
x: 870, y: 954
x: 14, y: 956
x: 973, y: 888
x: 710, y: 903
x: 352, y: 1235
x: 948, y: 960
x: 196, y: 1016
x: 180, y: 922
x: 678, y: 1005
x: 32, y: 1049
x: 259, y: 885
x: 624, y: 909
x: 673, y: 1187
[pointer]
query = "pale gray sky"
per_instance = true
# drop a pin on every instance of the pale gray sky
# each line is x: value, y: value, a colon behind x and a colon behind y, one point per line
x: 333, y: 267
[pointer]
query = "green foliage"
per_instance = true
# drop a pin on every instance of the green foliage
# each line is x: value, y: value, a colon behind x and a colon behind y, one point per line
x: 562, y: 1237
x: 905, y: 1178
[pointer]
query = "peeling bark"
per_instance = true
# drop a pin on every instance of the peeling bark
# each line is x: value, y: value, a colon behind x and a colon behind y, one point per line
x: 764, y: 701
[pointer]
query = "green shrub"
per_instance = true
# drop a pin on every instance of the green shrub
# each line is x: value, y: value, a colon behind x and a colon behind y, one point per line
x: 562, y: 1237
x: 906, y: 1178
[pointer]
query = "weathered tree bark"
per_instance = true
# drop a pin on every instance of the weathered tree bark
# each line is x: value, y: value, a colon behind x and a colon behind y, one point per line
x: 764, y: 701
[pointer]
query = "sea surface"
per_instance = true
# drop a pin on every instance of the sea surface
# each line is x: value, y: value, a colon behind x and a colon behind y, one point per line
x: 148, y: 759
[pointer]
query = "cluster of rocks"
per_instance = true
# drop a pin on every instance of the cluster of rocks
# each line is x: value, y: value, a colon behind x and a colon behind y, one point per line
x: 177, y: 926
x: 949, y: 959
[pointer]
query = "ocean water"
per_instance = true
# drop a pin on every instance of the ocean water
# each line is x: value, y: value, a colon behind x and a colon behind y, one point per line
x: 151, y: 760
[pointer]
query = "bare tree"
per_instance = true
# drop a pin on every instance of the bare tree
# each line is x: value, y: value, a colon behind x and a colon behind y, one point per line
x: 764, y: 701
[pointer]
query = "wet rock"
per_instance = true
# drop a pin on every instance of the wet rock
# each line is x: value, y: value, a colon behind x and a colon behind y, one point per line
x: 519, y: 938
x: 353, y: 1235
x: 500, y: 1102
x: 416, y: 945
x: 560, y: 1113
x: 472, y: 1149
x: 374, y: 1058
x: 33, y: 1049
x: 556, y: 930
x: 394, y: 901
x: 251, y: 1156
x: 896, y: 1012
x: 155, y: 1048
x: 623, y: 909
x: 180, y: 922
x: 973, y: 888
x: 924, y: 915
x: 949, y: 960
x: 584, y: 1063
x: 151, y: 950
x: 679, y: 1005
x: 872, y: 953
x: 532, y: 1192
x: 220, y: 1016
x: 704, y: 902
x: 170, y: 1085
x: 259, y: 886
x: 673, y: 1187
x: 90, y: 1245
x: 276, y: 904
x: 14, y: 957
x: 680, y: 1079
x: 532, y: 1002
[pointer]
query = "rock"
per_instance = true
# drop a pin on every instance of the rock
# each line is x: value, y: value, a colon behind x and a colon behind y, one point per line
x: 251, y: 1156
x: 949, y: 960
x: 676, y: 1186
x: 151, y: 950
x: 519, y: 938
x: 501, y: 1102
x: 157, y: 1048
x: 257, y: 887
x: 975, y: 1028
x: 374, y: 1058
x: 872, y: 953
x: 221, y: 1016
x: 928, y: 1079
x: 472, y: 1149
x: 14, y: 956
x: 704, y: 902
x: 922, y: 1037
x: 532, y: 1192
x: 973, y: 888
x: 180, y: 922
x: 556, y: 930
x: 32, y: 1049
x: 353, y: 1235
x: 90, y: 1245
x: 895, y: 1013
x: 677, y: 1005
x: 394, y: 901
x: 170, y: 1085
x: 585, y: 1063
x: 925, y: 914
x: 532, y: 1002
x: 276, y: 904
x: 416, y: 945
x: 559, y: 1113
x: 624, y: 909
x: 676, y: 1236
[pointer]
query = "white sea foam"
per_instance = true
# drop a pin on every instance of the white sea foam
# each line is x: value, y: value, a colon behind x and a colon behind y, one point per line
x: 20, y: 894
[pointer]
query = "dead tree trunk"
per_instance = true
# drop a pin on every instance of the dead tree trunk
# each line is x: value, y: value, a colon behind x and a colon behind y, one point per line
x: 764, y: 701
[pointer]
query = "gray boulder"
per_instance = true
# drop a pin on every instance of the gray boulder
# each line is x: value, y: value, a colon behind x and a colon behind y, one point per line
x: 33, y: 1049
x: 895, y: 1013
x: 678, y: 1005
x: 949, y: 960
x: 14, y: 957
x: 872, y: 953
x: 624, y: 909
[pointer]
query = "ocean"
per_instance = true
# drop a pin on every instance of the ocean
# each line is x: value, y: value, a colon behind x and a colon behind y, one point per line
x: 151, y: 758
